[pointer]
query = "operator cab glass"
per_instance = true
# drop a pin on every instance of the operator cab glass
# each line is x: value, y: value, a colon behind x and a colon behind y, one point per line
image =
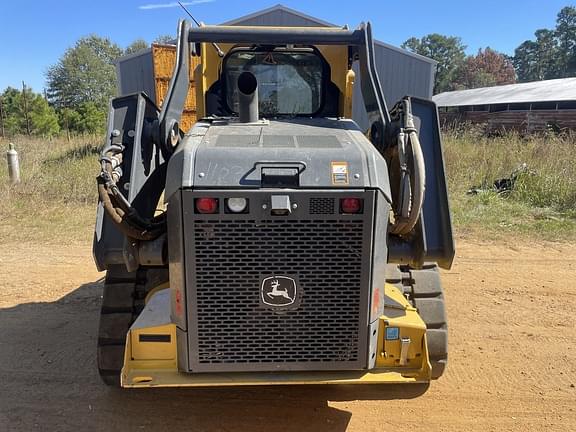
x: 289, y: 82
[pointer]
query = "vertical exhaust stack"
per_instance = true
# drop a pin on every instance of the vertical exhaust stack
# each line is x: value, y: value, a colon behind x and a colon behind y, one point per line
x: 247, y: 98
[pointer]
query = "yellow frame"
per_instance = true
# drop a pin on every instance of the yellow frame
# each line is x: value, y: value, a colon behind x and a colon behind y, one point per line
x: 154, y: 364
x: 208, y: 72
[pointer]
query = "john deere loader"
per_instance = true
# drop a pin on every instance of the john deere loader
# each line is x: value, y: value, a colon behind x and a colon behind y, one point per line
x: 275, y: 242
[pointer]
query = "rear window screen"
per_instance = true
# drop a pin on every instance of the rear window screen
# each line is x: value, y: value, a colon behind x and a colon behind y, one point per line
x: 289, y: 83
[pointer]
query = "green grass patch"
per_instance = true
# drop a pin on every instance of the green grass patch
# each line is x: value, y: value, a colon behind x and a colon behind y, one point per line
x: 56, y: 200
x: 542, y: 204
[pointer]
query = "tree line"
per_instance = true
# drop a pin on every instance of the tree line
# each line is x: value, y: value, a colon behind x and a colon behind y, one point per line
x: 551, y: 54
x: 79, y: 88
x: 81, y: 83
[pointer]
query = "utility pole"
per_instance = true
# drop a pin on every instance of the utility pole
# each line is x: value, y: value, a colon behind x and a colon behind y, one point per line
x: 2, y: 118
x: 25, y: 102
x: 67, y: 125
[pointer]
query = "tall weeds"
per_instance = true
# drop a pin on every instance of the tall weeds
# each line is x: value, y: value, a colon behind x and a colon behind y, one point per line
x: 53, y: 171
x: 57, y: 197
x: 549, y: 180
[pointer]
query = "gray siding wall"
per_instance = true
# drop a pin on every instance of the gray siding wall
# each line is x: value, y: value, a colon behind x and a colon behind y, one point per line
x: 135, y: 73
x: 400, y: 73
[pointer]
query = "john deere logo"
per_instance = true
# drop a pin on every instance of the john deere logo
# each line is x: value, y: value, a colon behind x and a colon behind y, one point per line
x: 278, y: 292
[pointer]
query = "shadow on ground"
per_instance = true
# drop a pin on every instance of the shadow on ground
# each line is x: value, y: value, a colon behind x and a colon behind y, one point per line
x: 49, y: 382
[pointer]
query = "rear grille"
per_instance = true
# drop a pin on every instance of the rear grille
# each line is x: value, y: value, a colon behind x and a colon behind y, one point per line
x: 329, y: 258
x: 322, y: 206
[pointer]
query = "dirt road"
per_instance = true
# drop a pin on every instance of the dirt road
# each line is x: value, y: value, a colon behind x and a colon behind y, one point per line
x: 512, y: 360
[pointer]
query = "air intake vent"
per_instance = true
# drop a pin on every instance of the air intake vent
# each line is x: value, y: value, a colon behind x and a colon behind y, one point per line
x: 237, y: 141
x: 319, y: 142
x: 278, y: 141
x: 322, y: 206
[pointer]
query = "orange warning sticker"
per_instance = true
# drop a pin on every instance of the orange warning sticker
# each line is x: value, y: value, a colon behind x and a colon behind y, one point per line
x: 340, y: 173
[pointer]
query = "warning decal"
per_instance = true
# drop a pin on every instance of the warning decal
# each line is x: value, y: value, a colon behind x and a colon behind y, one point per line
x: 340, y: 173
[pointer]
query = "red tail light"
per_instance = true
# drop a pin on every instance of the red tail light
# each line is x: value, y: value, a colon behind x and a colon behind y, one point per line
x: 351, y: 205
x: 206, y: 205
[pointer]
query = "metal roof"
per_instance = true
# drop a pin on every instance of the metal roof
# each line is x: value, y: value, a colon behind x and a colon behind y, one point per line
x: 318, y: 22
x: 279, y: 7
x: 538, y: 91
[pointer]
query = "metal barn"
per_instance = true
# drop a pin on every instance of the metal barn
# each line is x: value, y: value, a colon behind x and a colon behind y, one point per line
x: 401, y: 72
x: 526, y: 107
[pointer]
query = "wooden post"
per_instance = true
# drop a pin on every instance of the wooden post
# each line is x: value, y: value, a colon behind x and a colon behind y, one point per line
x: 26, y: 114
x: 2, y: 118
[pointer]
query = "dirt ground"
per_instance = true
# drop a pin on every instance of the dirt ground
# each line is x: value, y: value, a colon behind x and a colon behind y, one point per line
x: 512, y: 363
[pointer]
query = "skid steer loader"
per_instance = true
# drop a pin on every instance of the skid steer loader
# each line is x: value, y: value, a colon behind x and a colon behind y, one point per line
x: 275, y: 242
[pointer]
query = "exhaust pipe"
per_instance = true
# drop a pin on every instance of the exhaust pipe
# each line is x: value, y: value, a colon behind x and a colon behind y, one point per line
x: 247, y: 98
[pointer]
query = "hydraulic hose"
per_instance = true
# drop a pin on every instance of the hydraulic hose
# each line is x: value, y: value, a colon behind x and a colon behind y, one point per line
x: 122, y: 214
x: 412, y: 181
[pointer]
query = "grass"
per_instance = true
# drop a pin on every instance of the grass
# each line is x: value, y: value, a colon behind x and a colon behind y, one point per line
x: 542, y: 204
x: 56, y: 200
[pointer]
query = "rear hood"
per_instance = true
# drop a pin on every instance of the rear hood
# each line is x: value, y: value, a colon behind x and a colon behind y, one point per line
x: 327, y: 153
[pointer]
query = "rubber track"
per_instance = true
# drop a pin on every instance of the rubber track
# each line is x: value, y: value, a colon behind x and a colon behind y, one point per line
x: 423, y: 289
x: 122, y: 301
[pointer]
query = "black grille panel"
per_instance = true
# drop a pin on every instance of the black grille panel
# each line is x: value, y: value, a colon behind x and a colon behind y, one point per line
x: 329, y: 259
x: 322, y: 206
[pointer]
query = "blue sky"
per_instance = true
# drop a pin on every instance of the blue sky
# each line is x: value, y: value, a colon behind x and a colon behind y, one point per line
x: 35, y: 34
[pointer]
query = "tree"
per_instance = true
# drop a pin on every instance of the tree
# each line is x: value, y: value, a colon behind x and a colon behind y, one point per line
x: 68, y: 120
x: 91, y: 119
x: 553, y: 52
x: 448, y: 51
x: 43, y: 117
x: 566, y: 36
x: 85, y: 73
x: 165, y: 39
x: 14, y: 122
x: 137, y: 45
x: 87, y: 119
x: 19, y: 104
x: 526, y: 62
x: 487, y: 68
x: 538, y: 60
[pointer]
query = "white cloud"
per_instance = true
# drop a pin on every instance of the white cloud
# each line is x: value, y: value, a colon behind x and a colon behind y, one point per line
x: 172, y: 4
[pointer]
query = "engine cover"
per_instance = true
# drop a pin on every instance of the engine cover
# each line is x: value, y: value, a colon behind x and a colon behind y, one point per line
x: 327, y: 153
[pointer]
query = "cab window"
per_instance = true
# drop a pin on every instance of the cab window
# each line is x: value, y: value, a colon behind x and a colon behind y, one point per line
x: 289, y: 82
